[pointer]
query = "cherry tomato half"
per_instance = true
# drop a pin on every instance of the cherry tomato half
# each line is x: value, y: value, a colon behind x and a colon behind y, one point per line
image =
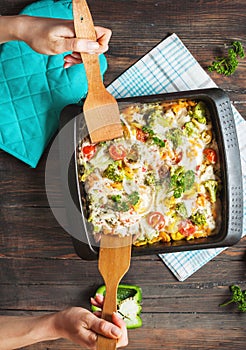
x: 187, y: 228
x: 117, y: 151
x: 210, y: 155
x: 141, y: 135
x: 178, y: 155
x: 89, y: 151
x: 156, y: 220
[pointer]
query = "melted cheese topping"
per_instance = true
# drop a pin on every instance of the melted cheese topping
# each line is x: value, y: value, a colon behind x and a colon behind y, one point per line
x: 154, y: 182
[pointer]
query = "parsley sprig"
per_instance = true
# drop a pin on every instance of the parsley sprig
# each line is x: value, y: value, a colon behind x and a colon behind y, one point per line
x: 153, y: 137
x: 238, y: 297
x: 228, y: 64
x: 125, y: 205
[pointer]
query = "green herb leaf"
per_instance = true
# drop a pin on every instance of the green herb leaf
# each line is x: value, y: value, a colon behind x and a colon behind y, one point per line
x: 158, y: 141
x: 228, y: 64
x: 148, y: 130
x: 238, y: 297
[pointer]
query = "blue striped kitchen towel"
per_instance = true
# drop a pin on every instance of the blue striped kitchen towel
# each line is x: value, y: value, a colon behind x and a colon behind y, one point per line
x: 170, y: 67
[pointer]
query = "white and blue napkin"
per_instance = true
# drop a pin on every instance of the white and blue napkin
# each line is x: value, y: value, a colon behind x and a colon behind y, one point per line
x: 170, y: 67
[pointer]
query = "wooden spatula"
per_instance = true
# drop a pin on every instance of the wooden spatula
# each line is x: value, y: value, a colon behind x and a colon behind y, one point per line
x: 100, y: 109
x: 114, y: 262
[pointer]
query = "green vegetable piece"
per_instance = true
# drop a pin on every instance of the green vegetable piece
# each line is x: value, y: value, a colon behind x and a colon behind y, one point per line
x: 177, y: 192
x: 238, y: 48
x: 116, y: 198
x: 129, y: 311
x: 158, y: 141
x: 212, y: 187
x: 181, y: 181
x: 122, y: 206
x: 228, y: 64
x: 181, y: 209
x: 238, y: 297
x: 175, y: 135
x: 112, y: 172
x: 198, y: 219
x: 189, y: 179
x: 152, y: 136
x: 190, y: 128
x: 129, y: 298
x: 177, y: 181
x: 148, y: 130
x: 134, y: 198
x: 200, y: 112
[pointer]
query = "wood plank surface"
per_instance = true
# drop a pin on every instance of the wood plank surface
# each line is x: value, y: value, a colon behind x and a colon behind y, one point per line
x: 39, y: 270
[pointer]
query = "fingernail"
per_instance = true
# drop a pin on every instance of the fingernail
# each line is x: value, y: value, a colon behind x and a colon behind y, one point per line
x: 99, y: 295
x: 116, y: 332
x: 92, y: 45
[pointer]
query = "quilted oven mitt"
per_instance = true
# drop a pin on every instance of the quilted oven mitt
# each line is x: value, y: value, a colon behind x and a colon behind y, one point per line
x: 34, y: 88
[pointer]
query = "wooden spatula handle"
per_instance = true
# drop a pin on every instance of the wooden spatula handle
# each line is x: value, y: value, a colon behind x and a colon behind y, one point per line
x: 114, y: 262
x: 84, y: 28
x: 106, y: 343
x: 109, y: 306
x: 110, y: 302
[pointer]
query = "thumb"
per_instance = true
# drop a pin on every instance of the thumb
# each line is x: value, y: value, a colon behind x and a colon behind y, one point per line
x: 80, y: 45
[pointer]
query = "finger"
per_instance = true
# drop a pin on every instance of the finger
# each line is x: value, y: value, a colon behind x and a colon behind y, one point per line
x: 67, y: 65
x: 80, y: 45
x: 86, y: 338
x: 99, y: 298
x: 95, y: 303
x: 69, y: 61
x: 123, y: 341
x: 76, y: 55
x: 103, y: 35
x: 105, y: 328
x: 72, y: 59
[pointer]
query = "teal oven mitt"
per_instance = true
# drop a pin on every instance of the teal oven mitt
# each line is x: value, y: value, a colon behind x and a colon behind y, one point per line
x: 34, y: 88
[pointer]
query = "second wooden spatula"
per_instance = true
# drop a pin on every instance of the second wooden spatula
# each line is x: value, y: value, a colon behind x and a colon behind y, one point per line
x: 100, y: 108
x: 114, y: 262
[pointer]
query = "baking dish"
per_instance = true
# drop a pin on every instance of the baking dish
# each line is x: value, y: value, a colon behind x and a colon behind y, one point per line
x: 231, y: 194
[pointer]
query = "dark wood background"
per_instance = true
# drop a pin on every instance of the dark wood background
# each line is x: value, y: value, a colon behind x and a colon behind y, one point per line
x: 39, y: 271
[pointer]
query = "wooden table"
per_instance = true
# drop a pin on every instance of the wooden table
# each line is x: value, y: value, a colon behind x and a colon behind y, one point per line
x: 39, y: 271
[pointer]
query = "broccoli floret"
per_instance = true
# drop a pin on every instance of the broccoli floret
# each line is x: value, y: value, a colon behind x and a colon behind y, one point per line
x: 190, y: 128
x: 181, y: 181
x: 175, y: 135
x: 181, y: 209
x: 133, y: 198
x: 189, y: 179
x: 198, y: 219
x: 212, y: 187
x: 116, y: 198
x: 200, y: 112
x: 112, y: 172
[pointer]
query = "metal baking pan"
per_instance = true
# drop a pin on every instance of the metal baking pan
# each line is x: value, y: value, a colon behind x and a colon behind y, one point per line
x: 231, y: 194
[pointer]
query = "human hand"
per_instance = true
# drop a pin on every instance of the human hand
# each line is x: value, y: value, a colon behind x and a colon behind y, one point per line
x: 82, y: 327
x: 100, y: 46
x: 51, y: 36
